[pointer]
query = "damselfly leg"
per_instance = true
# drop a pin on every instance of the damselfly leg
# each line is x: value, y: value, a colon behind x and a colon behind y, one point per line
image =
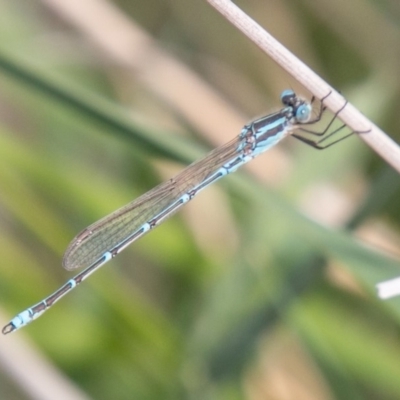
x: 324, y: 134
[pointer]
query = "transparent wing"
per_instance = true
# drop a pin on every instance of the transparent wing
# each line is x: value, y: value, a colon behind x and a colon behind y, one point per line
x: 107, y: 233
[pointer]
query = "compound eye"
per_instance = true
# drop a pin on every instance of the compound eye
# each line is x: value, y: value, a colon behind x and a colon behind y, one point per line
x: 303, y: 113
x: 287, y: 97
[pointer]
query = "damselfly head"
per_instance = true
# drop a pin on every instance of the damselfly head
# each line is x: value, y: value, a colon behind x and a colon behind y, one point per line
x: 303, y: 112
x: 288, y: 97
x: 299, y: 109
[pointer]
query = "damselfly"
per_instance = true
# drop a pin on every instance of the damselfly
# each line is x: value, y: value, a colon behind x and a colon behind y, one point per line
x: 103, y: 240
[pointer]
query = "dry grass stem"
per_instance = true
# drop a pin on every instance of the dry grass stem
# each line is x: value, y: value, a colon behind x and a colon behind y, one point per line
x: 376, y: 138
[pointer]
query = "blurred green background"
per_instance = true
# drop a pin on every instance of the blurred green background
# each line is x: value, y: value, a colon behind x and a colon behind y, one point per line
x: 263, y: 286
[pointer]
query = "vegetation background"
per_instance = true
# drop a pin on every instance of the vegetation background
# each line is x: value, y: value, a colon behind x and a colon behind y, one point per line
x: 263, y: 286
